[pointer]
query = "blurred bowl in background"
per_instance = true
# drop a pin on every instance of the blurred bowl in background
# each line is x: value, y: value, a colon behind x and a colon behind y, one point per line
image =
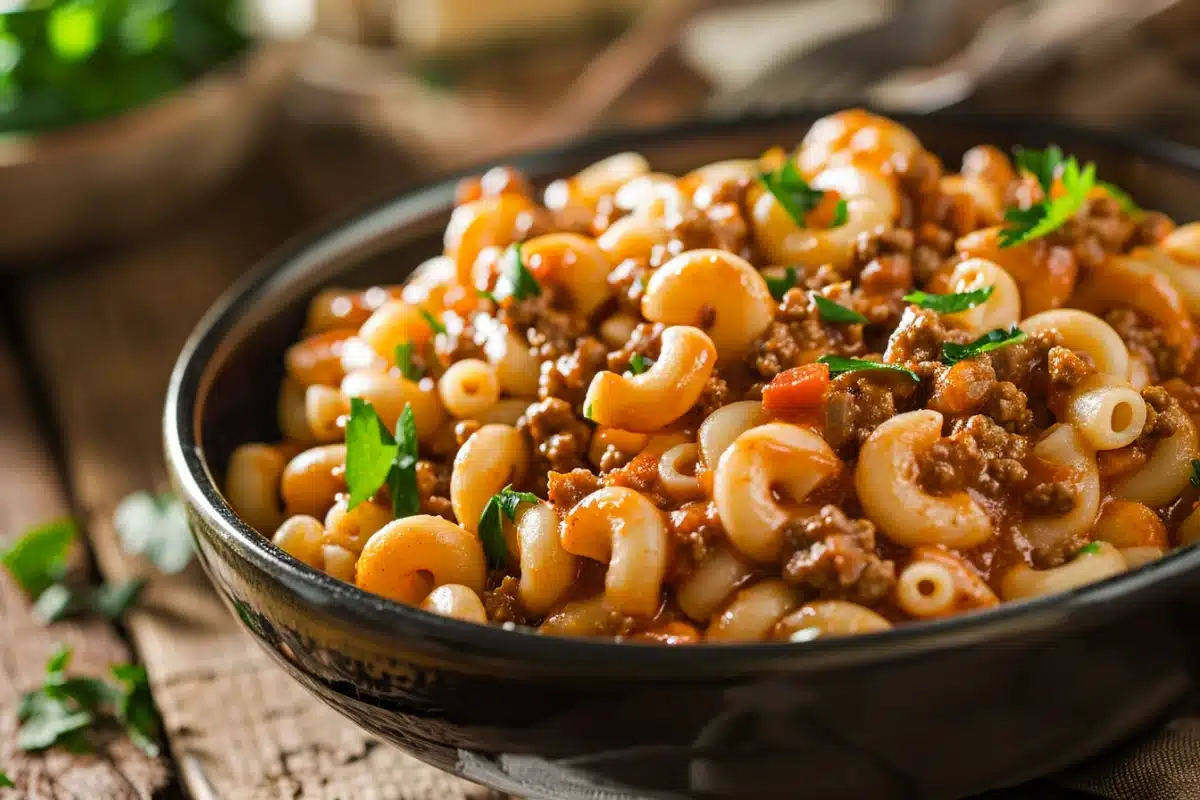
x: 99, y: 183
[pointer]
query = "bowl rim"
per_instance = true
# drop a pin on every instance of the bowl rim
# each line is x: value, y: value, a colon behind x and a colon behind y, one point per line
x: 186, y: 463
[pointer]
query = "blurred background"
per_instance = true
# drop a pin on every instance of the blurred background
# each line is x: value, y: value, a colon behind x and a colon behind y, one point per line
x: 117, y: 113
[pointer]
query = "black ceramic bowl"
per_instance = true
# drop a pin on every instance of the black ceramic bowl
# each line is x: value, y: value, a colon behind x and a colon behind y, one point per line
x: 932, y: 710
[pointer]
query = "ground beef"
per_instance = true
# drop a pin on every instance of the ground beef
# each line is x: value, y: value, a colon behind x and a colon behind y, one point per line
x: 964, y: 388
x: 559, y: 437
x: 568, y: 376
x: 883, y: 241
x: 1099, y: 228
x: 503, y: 604
x: 799, y: 336
x: 832, y: 556
x: 548, y: 321
x: 433, y: 486
x: 1051, y: 499
x: 641, y: 475
x: 694, y: 528
x: 628, y: 283
x: 1147, y: 342
x: 564, y: 490
x: 917, y: 338
x: 1009, y: 407
x: 978, y: 454
x: 1025, y: 364
x: 856, y: 404
x: 1158, y: 424
x: 716, y: 393
x: 720, y: 226
x: 645, y: 341
x: 457, y: 343
x: 1067, y: 368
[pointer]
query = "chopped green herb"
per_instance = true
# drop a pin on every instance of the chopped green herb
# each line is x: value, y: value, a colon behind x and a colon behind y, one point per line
x: 587, y: 411
x: 1091, y: 548
x: 402, y: 480
x: 155, y: 526
x: 486, y: 295
x: 833, y: 312
x: 1195, y: 476
x: 1122, y: 197
x: 841, y: 214
x: 517, y: 281
x: 792, y: 192
x: 135, y: 707
x: 778, y: 287
x: 65, y: 707
x: 5, y: 781
x: 949, y: 303
x: 1026, y: 224
x: 404, y: 362
x: 370, y: 452
x: 38, y: 559
x: 993, y: 340
x: 491, y: 523
x: 839, y: 365
x: 638, y: 364
x: 434, y: 322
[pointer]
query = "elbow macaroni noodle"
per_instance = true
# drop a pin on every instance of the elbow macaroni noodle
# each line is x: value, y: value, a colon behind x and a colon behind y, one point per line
x: 649, y: 379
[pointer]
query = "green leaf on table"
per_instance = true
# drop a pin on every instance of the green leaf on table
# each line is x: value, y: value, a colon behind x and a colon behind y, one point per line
x: 135, y: 708
x: 112, y: 600
x: 38, y: 559
x: 45, y: 721
x: 155, y: 526
x: 55, y: 603
x: 5, y: 781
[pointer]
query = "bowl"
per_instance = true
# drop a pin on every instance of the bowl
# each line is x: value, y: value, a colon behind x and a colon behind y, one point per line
x: 930, y: 710
x: 102, y: 182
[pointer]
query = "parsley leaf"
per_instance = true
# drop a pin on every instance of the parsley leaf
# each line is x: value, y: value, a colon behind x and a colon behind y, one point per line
x: 5, y: 781
x: 402, y: 479
x: 1091, y: 548
x: 1042, y: 164
x: 839, y: 365
x: 38, y: 559
x: 370, y: 451
x: 1122, y: 197
x: 778, y: 287
x: 791, y: 191
x: 486, y: 295
x: 517, y: 281
x: 1195, y: 476
x: 404, y: 362
x: 993, y: 340
x: 433, y: 321
x: 834, y: 312
x: 638, y: 364
x: 1050, y: 214
x: 841, y: 214
x: 950, y: 303
x: 491, y: 522
x: 587, y: 411
x: 155, y: 526
x: 135, y: 707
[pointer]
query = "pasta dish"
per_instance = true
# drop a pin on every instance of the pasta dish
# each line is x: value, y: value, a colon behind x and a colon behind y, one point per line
x: 805, y: 394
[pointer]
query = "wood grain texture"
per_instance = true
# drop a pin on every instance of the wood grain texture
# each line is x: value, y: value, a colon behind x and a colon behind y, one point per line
x: 32, y: 494
x: 106, y: 336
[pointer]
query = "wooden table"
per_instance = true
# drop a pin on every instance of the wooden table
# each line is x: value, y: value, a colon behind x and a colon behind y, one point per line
x: 86, y: 345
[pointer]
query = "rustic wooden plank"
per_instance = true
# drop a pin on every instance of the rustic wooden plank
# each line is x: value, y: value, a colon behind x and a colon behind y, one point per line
x: 31, y: 493
x: 107, y: 336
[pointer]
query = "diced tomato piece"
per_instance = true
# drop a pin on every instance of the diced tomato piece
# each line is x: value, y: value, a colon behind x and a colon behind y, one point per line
x: 797, y: 388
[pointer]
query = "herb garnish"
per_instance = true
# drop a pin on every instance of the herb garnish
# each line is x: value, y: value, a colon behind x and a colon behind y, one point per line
x: 517, y: 281
x: 1195, y: 477
x: 1091, y: 548
x: 949, y: 303
x: 638, y: 364
x: 155, y: 526
x: 839, y: 365
x: 434, y: 322
x: 65, y: 707
x: 491, y: 523
x: 404, y: 362
x: 1025, y: 224
x: 992, y: 340
x: 796, y: 197
x: 778, y: 287
x: 375, y: 457
x: 834, y: 312
x: 841, y: 214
